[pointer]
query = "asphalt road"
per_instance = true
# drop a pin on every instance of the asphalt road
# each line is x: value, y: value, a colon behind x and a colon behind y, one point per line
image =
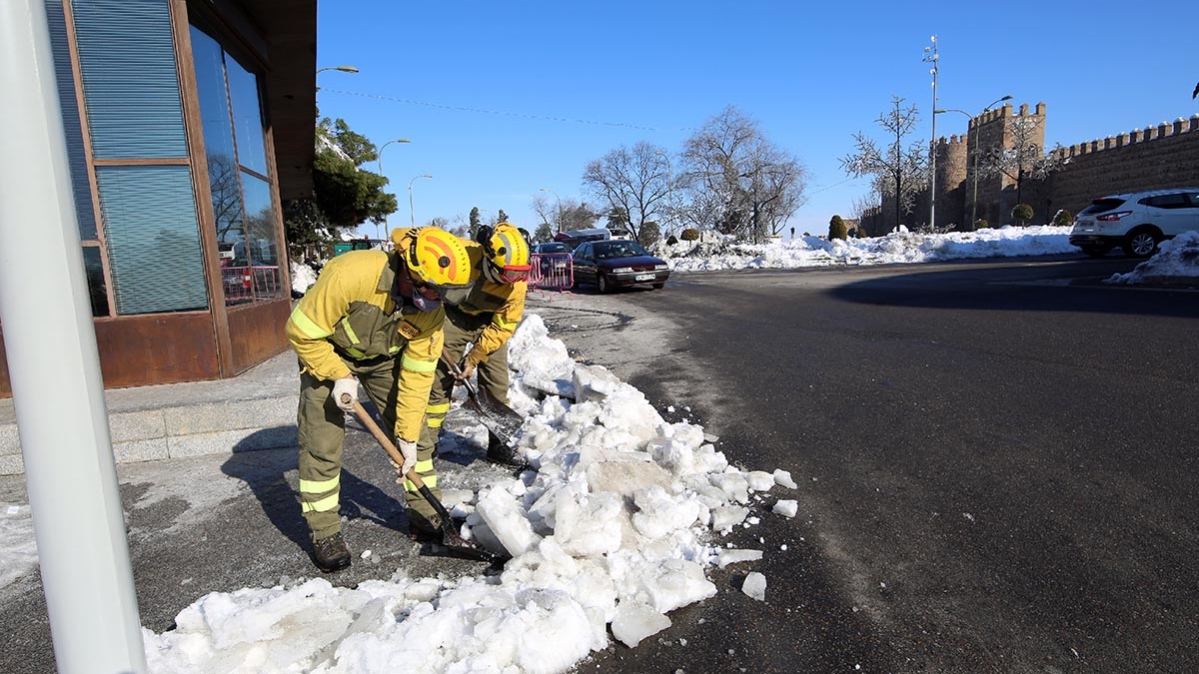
x: 996, y: 464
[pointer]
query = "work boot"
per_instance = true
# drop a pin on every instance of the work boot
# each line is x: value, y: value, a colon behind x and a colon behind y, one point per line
x: 422, y: 529
x: 331, y: 554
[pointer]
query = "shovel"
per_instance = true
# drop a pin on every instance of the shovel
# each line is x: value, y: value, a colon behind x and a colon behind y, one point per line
x: 501, y: 421
x: 451, y: 539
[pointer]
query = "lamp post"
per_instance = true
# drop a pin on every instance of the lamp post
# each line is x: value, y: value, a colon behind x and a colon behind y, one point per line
x: 411, y: 211
x: 559, y: 223
x: 972, y: 129
x: 931, y: 56
x: 380, y: 153
x: 343, y: 69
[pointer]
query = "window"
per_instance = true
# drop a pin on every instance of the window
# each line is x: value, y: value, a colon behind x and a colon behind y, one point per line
x: 238, y: 175
x: 134, y: 117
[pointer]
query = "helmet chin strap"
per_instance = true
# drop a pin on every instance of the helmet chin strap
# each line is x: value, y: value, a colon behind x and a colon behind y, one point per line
x: 491, y: 273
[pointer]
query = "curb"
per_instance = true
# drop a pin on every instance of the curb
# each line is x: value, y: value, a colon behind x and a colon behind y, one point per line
x: 183, y: 431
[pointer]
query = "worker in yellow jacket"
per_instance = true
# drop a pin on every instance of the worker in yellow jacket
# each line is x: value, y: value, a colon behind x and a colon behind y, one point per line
x: 372, y: 317
x: 482, y: 317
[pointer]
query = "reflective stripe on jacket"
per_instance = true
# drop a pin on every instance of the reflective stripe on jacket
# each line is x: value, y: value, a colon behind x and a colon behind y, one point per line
x: 348, y: 313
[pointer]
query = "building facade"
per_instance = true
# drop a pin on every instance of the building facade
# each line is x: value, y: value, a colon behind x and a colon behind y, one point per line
x: 187, y: 123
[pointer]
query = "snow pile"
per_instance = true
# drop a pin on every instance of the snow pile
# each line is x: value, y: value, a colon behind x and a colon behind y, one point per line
x: 896, y: 247
x: 609, y: 529
x: 1176, y: 258
x: 302, y: 277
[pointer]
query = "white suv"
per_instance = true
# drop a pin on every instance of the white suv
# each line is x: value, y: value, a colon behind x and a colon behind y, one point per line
x: 1136, y: 222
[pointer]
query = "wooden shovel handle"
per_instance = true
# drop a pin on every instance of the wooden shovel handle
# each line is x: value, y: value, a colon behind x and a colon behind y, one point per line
x: 383, y: 440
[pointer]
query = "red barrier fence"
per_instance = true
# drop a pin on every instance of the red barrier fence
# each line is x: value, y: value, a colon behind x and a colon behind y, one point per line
x: 246, y: 284
x: 552, y: 271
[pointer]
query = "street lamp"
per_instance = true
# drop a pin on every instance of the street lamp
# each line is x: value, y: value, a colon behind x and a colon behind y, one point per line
x: 931, y: 56
x: 384, y: 147
x: 972, y: 126
x: 380, y: 153
x: 344, y: 69
x: 411, y: 211
x: 559, y: 223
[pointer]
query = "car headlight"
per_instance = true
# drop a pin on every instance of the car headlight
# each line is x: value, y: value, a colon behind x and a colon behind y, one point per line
x: 660, y: 267
x: 622, y: 270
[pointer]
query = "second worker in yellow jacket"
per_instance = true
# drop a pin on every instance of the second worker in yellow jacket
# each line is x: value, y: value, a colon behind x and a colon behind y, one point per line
x: 483, y: 317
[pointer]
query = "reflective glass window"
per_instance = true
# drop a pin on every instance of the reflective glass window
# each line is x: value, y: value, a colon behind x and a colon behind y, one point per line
x: 97, y: 288
x: 261, y: 244
x: 247, y: 116
x: 130, y: 86
x: 76, y: 158
x: 153, y: 238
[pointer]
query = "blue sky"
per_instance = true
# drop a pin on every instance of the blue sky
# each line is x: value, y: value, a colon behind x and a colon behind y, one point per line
x: 502, y: 99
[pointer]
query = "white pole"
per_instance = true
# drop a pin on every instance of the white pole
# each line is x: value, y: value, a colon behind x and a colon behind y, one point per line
x: 54, y: 368
x: 932, y: 56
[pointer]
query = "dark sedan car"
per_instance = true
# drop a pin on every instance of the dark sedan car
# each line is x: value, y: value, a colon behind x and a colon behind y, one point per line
x: 618, y: 263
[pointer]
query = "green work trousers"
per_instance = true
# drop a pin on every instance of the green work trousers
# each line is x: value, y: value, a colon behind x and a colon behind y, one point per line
x: 460, y: 330
x: 322, y: 426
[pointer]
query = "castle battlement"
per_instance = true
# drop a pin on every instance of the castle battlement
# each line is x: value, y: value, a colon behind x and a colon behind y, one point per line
x: 1149, y: 134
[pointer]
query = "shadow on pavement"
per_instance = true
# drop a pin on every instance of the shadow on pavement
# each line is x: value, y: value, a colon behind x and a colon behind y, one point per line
x: 267, y: 474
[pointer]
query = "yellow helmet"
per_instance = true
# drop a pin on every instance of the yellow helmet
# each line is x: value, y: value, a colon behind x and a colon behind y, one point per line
x: 433, y: 256
x: 507, y: 251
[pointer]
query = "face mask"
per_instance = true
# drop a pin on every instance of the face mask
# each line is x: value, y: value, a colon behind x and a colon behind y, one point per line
x: 424, y: 303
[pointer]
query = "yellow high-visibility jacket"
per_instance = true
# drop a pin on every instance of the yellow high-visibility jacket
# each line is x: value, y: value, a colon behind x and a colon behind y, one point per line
x: 505, y: 303
x: 349, y: 314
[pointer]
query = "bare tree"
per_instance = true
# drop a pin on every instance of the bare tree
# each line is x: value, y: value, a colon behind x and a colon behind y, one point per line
x: 1024, y: 156
x: 899, y: 172
x: 636, y: 182
x: 737, y: 181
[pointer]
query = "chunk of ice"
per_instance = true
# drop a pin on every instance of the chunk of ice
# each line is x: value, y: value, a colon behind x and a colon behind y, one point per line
x: 783, y: 477
x: 755, y: 586
x: 786, y: 507
x: 635, y: 621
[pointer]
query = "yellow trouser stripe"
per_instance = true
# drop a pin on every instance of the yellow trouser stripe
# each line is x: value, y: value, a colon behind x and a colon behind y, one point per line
x: 319, y: 486
x: 324, y: 505
x: 430, y: 482
x: 434, y: 422
x: 423, y: 467
x: 439, y: 408
x: 310, y: 329
x: 417, y: 365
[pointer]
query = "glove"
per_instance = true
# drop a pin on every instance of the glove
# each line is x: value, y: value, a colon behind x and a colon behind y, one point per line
x: 408, y: 449
x: 472, y: 361
x: 345, y: 393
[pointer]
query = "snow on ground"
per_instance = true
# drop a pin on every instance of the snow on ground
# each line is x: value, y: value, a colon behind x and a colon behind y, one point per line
x: 584, y: 560
x: 585, y: 564
x: 19, y: 555
x: 302, y: 277
x: 896, y: 247
x: 1177, y: 258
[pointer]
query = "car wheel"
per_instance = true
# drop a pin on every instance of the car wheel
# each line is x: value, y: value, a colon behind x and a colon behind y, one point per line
x: 1141, y: 243
x: 604, y: 285
x: 1095, y: 251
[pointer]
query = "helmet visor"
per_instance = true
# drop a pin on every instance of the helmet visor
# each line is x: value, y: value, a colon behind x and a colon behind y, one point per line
x: 515, y: 273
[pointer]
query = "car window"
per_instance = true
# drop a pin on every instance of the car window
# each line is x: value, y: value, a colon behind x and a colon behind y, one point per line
x: 1102, y: 205
x: 1192, y: 199
x: 1178, y: 200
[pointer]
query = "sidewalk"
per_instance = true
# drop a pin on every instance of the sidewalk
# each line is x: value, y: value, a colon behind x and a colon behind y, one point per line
x: 254, y: 410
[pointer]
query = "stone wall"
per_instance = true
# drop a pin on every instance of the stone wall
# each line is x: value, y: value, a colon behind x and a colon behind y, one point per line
x: 1166, y: 155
